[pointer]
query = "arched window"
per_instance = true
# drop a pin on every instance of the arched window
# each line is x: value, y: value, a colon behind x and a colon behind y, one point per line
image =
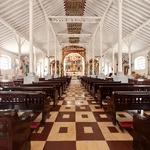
x: 139, y: 63
x: 5, y: 62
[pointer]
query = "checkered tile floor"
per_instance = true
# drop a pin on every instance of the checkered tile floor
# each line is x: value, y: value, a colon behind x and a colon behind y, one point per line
x: 78, y: 123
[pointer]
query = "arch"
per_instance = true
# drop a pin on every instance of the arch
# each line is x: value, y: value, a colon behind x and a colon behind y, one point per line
x: 74, y: 49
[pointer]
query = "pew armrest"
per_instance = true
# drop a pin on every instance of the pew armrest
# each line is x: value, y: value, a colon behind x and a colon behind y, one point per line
x: 14, y: 132
x: 141, y: 136
x: 141, y: 123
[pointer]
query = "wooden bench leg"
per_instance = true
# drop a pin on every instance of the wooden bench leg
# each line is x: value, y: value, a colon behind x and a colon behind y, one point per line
x: 114, y: 118
x: 43, y: 118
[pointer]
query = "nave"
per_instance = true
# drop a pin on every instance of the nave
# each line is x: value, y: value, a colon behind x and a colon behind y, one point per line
x: 78, y: 123
x: 102, y: 47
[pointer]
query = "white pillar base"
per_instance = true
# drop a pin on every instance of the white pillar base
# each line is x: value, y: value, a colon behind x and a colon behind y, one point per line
x: 120, y: 77
x: 56, y: 76
x: 93, y: 76
x: 31, y: 77
x: 48, y: 76
x: 19, y: 76
x: 101, y: 76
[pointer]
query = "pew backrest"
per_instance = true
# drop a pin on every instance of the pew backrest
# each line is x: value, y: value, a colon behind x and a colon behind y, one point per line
x: 129, y: 100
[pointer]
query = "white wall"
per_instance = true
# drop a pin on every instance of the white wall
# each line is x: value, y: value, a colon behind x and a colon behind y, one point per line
x: 109, y: 59
x: 8, y: 74
x: 137, y: 54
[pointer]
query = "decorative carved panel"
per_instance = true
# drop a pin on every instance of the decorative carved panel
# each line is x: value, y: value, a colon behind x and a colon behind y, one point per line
x: 74, y: 28
x: 74, y: 8
x: 73, y: 39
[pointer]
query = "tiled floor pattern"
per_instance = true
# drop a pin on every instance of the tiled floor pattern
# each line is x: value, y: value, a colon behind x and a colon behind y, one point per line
x: 78, y: 123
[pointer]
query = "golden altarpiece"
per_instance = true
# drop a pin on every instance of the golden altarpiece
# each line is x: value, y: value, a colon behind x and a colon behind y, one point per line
x: 74, y: 60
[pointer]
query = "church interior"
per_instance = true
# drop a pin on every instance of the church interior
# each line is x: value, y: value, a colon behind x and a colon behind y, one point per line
x: 75, y: 74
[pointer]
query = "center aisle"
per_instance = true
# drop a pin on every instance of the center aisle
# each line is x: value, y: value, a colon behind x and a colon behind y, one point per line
x: 78, y: 123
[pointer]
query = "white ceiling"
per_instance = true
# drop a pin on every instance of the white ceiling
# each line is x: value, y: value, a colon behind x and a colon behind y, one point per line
x: 15, y: 15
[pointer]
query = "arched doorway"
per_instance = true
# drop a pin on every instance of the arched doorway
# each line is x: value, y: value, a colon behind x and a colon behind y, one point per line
x: 74, y: 65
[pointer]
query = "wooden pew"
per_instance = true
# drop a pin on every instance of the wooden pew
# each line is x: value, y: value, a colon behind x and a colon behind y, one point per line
x: 139, y: 81
x: 141, y: 136
x: 95, y: 86
x: 129, y: 100
x: 50, y: 91
x: 68, y: 79
x: 62, y: 82
x: 41, y: 79
x: 18, y: 82
x: 59, y: 85
x: 15, y: 132
x: 6, y: 83
x: 106, y: 90
x: 90, y: 83
x: 25, y: 100
x: 86, y: 81
x: 64, y: 79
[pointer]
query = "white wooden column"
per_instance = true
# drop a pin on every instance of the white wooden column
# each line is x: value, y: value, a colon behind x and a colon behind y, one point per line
x: 31, y: 36
x: 120, y: 37
x: 51, y: 66
x: 20, y: 42
x: 130, y: 66
x: 113, y: 60
x: 48, y: 46
x: 43, y: 64
x: 107, y: 63
x: 104, y: 62
x: 129, y: 43
x: 88, y: 66
x: 19, y: 50
x: 35, y: 65
x: 93, y: 55
x: 87, y: 59
x: 55, y: 42
x: 59, y: 68
x: 101, y: 49
x: 148, y: 63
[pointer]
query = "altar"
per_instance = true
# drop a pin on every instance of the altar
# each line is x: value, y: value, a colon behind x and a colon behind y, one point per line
x: 74, y: 65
